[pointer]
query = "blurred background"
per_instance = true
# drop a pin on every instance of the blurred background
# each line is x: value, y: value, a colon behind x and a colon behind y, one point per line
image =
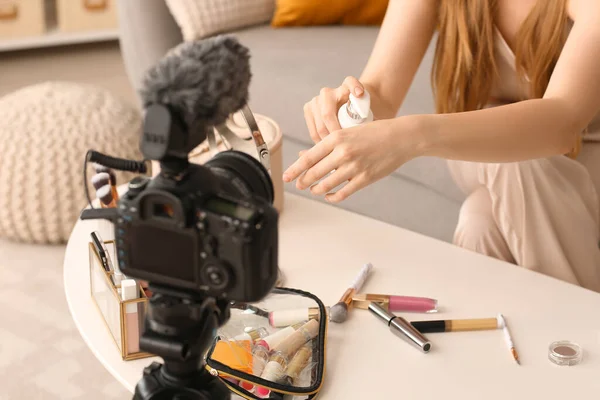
x: 42, y: 355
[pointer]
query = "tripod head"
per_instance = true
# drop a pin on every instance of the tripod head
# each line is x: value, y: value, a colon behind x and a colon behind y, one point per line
x: 179, y: 327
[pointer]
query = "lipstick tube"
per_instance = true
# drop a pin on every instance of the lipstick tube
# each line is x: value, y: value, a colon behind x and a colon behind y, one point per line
x: 401, y: 328
x: 396, y: 303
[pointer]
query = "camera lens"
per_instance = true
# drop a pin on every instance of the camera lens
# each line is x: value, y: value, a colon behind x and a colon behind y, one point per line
x: 215, y: 276
x: 242, y: 175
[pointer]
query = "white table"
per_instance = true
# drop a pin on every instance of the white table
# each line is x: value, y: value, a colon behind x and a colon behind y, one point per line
x: 322, y: 248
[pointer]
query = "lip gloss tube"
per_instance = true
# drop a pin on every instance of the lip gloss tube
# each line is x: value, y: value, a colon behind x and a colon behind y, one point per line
x: 396, y: 303
x: 401, y: 328
x: 129, y: 291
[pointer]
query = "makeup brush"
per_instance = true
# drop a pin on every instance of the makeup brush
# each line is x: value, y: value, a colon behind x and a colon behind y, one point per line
x: 101, y: 182
x: 100, y: 169
x: 339, y: 312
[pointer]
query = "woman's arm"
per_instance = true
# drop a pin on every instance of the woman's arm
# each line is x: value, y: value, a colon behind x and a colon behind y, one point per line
x: 402, y: 42
x: 533, y: 128
x: 399, y: 49
x: 521, y: 131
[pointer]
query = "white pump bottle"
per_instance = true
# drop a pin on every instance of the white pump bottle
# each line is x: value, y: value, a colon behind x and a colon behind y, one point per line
x: 356, y: 111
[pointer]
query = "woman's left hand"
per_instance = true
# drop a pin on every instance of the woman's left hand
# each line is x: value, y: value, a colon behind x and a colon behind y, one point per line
x: 361, y: 155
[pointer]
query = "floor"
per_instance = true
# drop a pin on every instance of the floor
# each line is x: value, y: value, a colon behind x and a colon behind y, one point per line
x: 98, y: 64
x: 42, y: 355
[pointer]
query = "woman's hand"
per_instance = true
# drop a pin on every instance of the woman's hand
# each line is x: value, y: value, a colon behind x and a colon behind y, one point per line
x: 361, y: 155
x: 321, y: 112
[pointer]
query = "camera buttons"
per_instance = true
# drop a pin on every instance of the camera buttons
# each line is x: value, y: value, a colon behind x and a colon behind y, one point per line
x: 215, y: 276
x: 138, y: 184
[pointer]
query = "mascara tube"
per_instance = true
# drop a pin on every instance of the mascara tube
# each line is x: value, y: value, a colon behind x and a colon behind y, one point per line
x: 401, y: 328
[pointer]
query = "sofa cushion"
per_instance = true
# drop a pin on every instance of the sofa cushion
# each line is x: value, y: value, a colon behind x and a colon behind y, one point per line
x: 291, y: 65
x: 319, y: 12
x: 203, y: 18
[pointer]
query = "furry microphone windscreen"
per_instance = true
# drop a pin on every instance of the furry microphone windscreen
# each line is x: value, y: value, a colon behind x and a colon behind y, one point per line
x: 204, y: 81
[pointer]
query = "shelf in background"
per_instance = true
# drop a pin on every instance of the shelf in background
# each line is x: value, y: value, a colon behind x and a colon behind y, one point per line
x: 57, y: 38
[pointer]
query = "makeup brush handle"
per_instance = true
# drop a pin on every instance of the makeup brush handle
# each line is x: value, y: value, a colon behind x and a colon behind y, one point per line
x: 472, y: 324
x: 360, y: 279
x: 507, y: 337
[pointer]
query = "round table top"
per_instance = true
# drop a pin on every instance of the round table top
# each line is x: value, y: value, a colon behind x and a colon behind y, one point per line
x: 323, y: 247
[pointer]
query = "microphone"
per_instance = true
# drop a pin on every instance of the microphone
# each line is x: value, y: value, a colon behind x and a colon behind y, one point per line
x: 189, y: 92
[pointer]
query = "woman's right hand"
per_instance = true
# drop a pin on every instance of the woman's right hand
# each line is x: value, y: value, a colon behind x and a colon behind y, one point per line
x: 321, y: 112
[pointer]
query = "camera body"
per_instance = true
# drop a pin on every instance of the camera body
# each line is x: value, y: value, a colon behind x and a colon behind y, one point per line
x: 199, y: 233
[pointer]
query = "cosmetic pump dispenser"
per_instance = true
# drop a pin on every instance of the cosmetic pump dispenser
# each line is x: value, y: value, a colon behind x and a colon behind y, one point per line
x: 356, y: 111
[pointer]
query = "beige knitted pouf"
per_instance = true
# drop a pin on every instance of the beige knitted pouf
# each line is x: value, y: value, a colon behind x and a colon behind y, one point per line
x: 45, y: 132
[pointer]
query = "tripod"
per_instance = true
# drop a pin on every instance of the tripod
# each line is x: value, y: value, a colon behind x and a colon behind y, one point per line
x: 180, y: 327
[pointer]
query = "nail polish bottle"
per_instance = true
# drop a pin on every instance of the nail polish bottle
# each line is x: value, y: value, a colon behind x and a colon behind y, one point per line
x: 356, y: 111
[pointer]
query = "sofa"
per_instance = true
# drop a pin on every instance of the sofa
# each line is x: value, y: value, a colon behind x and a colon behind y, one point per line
x: 290, y: 66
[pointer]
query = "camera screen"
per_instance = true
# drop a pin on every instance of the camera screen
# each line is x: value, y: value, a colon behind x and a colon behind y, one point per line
x: 163, y: 251
x: 229, y: 208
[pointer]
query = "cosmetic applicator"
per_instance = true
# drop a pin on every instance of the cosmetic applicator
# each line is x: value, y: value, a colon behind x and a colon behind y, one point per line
x: 105, y: 183
x: 339, y: 312
x: 104, y: 189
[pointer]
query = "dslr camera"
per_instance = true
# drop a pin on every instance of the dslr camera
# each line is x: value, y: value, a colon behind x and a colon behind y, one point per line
x: 209, y: 228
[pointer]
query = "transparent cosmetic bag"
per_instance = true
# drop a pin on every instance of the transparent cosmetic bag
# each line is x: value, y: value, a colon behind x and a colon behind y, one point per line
x: 273, y: 349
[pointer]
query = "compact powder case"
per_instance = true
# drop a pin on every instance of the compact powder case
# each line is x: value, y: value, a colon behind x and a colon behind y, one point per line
x: 565, y: 353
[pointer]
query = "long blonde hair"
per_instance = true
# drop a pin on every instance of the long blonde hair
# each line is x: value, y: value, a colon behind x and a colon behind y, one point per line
x: 464, y: 68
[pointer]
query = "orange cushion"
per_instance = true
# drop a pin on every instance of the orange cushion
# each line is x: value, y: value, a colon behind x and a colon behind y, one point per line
x: 328, y: 12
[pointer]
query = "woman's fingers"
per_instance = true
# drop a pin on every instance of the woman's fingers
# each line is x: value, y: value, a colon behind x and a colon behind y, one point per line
x: 321, y: 112
x: 338, y: 177
x: 310, y: 158
x: 353, y: 186
x: 318, y: 171
x: 328, y: 103
x: 316, y: 111
x: 354, y: 86
x: 310, y: 122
